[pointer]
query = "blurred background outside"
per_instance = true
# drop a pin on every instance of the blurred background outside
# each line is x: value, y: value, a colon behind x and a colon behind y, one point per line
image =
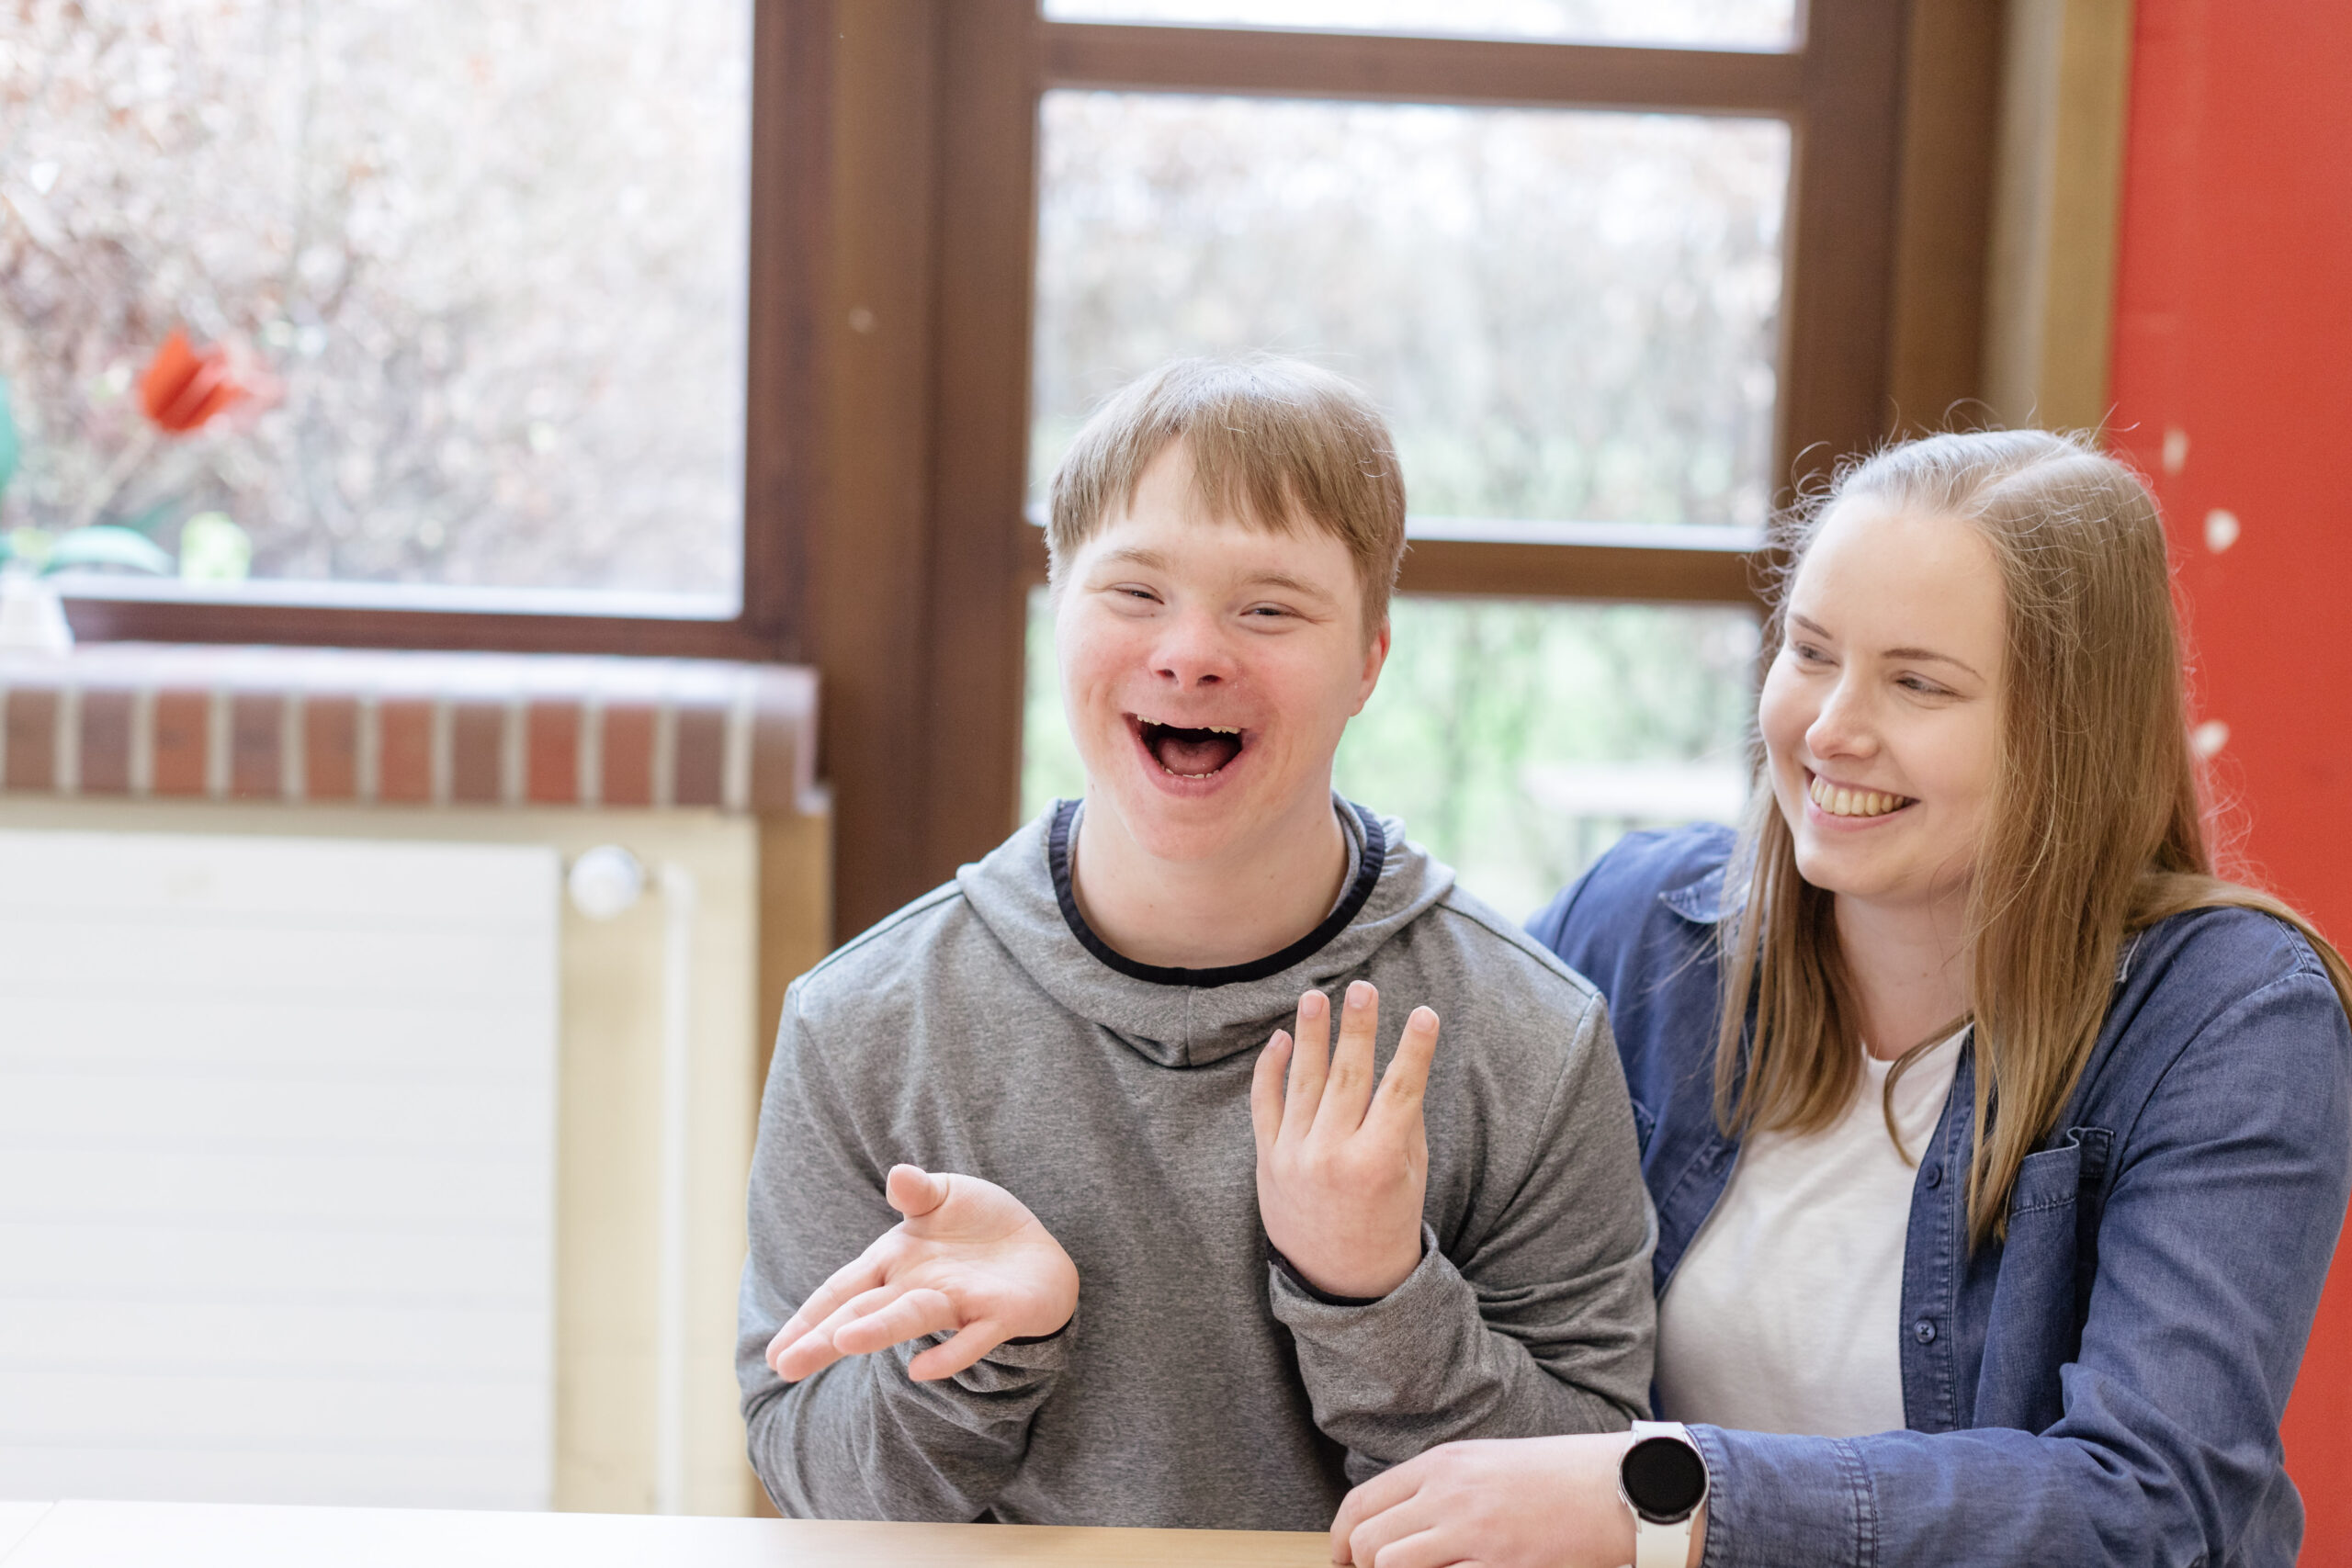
x: 493, y: 254
x: 1568, y: 316
x: 1713, y: 24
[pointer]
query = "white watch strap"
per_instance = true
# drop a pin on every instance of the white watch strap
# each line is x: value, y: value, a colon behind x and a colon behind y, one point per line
x: 1657, y: 1545
x: 1660, y: 1546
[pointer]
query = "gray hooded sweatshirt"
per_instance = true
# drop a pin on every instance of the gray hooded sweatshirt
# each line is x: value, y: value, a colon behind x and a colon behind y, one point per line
x: 984, y: 1028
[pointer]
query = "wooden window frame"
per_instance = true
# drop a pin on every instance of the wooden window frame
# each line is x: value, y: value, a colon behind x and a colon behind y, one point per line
x: 1890, y: 106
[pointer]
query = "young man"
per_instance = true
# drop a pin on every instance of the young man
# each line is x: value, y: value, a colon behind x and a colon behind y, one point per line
x: 1172, y: 1279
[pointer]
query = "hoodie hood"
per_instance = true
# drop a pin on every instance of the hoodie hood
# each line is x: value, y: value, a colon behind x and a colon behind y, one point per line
x: 1190, y: 1018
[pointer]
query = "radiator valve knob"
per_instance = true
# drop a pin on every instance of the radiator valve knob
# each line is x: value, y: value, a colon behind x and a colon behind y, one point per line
x: 605, y: 881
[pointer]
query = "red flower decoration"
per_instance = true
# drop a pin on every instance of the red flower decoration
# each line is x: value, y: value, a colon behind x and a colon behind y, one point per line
x: 184, y: 388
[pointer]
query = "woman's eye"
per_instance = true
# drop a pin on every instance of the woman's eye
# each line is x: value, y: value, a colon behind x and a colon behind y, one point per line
x: 1806, y: 653
x: 1922, y: 685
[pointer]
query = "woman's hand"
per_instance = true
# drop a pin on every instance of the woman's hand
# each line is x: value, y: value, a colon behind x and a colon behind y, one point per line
x: 970, y: 1257
x: 1521, y: 1503
x: 1342, y: 1172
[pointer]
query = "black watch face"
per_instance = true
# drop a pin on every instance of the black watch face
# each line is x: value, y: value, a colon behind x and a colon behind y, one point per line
x: 1663, y: 1477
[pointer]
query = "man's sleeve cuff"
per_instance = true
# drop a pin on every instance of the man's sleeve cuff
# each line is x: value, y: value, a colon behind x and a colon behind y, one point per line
x: 1012, y: 1367
x: 1298, y: 1281
x: 1290, y: 1287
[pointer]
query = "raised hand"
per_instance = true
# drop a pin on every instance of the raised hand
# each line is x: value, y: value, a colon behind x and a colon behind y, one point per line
x: 1342, y: 1170
x: 969, y: 1259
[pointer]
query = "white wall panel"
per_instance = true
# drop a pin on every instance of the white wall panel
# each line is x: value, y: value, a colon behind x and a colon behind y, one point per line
x: 277, y: 1169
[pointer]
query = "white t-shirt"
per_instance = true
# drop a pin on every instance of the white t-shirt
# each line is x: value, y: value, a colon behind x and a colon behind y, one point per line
x: 1786, y: 1314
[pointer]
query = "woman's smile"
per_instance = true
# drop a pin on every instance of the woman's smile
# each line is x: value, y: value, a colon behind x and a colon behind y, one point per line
x: 1850, y: 803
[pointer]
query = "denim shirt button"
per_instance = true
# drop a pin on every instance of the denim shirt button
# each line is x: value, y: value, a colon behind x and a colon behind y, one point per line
x: 1924, y: 1331
x: 1934, y: 1175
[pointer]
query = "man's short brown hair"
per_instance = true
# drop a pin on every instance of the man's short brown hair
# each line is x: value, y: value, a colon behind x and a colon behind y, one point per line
x: 1275, y: 443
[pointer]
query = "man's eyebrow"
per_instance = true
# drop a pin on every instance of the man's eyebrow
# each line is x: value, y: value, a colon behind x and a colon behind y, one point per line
x: 1286, y: 583
x: 1154, y: 560
x: 1928, y: 655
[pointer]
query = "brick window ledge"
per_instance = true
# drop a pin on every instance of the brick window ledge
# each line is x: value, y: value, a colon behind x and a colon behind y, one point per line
x: 144, y: 721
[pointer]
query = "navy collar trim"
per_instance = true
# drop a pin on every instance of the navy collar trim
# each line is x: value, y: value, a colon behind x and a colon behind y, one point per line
x: 1373, y: 856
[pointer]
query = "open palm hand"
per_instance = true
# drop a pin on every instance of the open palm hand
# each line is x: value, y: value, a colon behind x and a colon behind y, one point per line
x: 970, y: 1259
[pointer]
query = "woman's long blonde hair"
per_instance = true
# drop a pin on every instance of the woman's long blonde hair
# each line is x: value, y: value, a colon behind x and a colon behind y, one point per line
x: 2095, y: 829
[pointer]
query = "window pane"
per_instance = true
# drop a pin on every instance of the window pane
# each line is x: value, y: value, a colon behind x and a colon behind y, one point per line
x: 1516, y: 739
x: 1566, y: 315
x: 493, y: 250
x: 1717, y: 24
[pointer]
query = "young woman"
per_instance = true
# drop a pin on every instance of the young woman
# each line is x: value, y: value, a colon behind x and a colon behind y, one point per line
x: 1999, y: 1148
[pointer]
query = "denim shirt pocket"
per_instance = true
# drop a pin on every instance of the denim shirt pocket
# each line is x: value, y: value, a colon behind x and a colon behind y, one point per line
x: 2042, y: 1295
x: 2047, y: 1181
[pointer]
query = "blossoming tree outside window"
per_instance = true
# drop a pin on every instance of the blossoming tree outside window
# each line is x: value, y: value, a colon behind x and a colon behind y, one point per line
x: 493, y: 251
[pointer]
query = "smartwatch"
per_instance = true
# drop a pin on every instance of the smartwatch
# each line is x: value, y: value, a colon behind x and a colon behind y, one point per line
x: 1663, y: 1479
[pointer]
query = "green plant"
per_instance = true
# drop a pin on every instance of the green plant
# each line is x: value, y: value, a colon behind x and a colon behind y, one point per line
x: 93, y: 545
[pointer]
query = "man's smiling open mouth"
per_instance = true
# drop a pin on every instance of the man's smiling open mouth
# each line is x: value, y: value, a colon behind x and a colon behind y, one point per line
x: 1197, y: 753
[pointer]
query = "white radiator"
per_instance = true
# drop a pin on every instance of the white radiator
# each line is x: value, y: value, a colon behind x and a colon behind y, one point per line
x: 277, y: 1169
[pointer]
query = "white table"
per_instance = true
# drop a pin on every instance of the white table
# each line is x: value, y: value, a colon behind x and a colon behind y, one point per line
x: 16, y: 1521
x: 207, y: 1535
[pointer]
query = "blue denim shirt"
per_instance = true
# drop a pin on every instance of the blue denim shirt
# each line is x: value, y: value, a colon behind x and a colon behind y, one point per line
x: 2105, y: 1385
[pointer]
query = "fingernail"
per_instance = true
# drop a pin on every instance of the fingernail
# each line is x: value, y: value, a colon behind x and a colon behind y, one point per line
x: 1358, y: 994
x: 1425, y: 1018
x: 1281, y: 1039
x: 1311, y: 1004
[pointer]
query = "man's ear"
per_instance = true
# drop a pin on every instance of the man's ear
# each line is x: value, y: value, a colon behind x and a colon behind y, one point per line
x: 1376, y: 659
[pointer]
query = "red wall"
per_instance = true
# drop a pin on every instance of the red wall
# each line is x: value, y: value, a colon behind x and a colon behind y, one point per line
x: 2233, y: 327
